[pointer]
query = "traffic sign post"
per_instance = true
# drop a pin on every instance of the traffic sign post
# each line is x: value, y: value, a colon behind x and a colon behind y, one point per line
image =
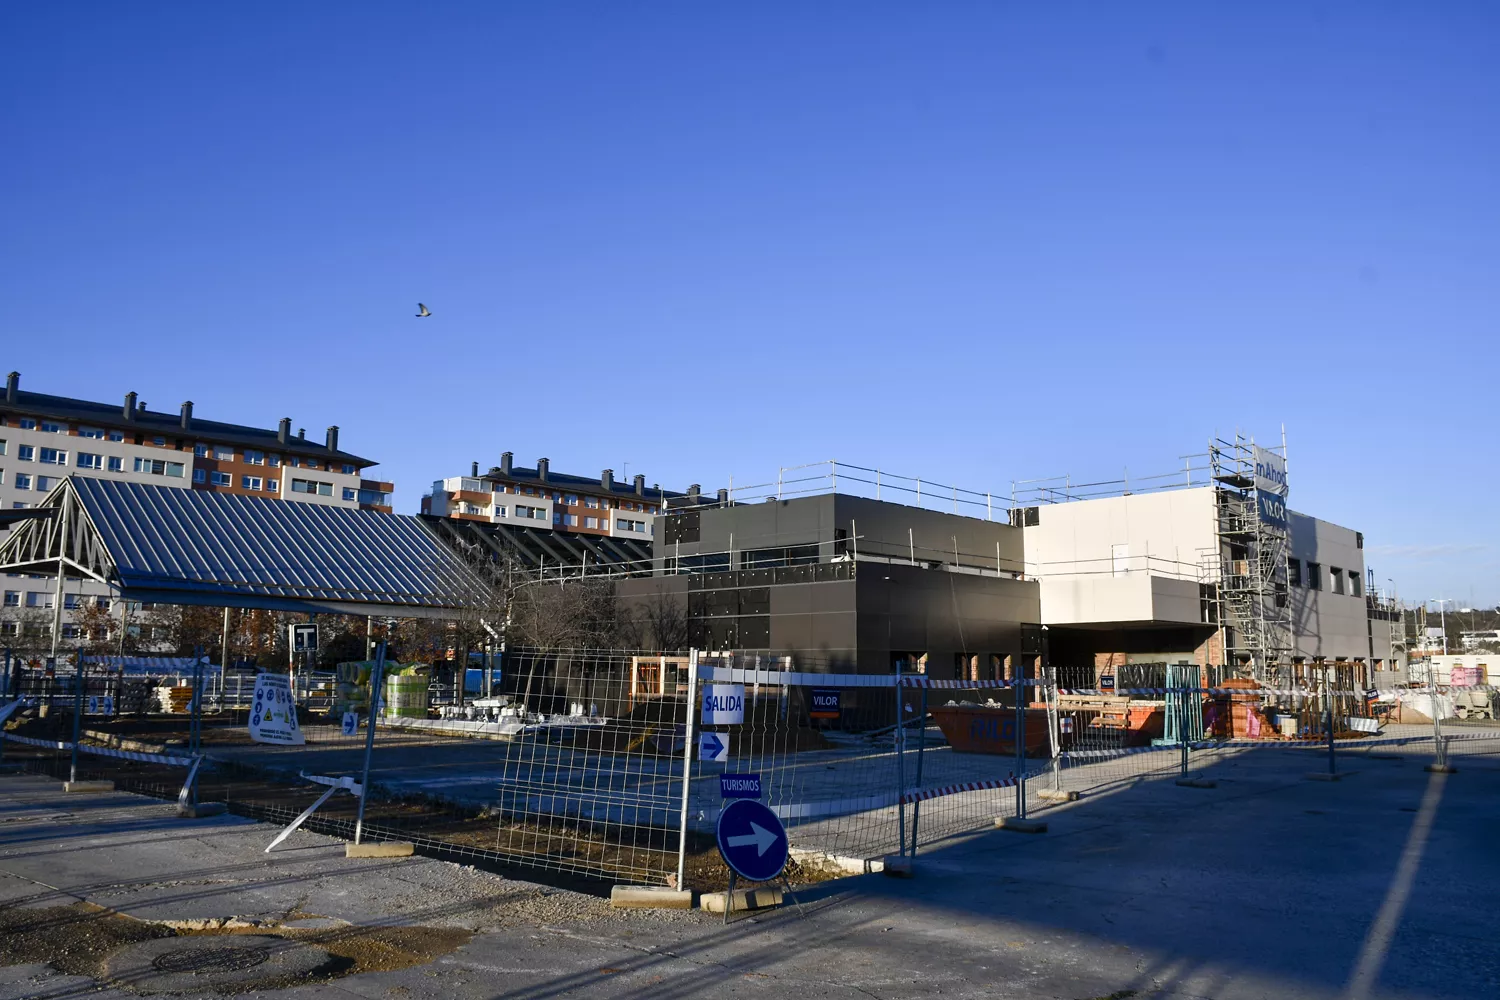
x: 753, y: 844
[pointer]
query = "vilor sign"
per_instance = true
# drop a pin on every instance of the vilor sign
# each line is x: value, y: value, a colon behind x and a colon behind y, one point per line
x: 723, y: 704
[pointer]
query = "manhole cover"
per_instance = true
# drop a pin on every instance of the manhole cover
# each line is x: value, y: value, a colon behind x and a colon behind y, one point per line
x: 210, y: 960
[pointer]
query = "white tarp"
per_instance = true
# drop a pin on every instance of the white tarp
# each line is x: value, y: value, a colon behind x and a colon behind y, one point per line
x: 273, y: 715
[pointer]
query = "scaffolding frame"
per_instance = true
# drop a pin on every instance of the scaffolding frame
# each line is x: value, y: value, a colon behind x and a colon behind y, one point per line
x: 1252, y: 596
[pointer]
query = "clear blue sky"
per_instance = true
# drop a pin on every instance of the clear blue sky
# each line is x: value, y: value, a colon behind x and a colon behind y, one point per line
x: 970, y: 241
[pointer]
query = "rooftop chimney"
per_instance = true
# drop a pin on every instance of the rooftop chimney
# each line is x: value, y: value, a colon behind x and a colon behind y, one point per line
x: 474, y: 470
x: 695, y: 494
x: 302, y: 432
x: 187, y: 415
x: 640, y: 486
x: 723, y: 498
x: 541, y: 469
x: 130, y: 406
x: 142, y: 407
x: 332, y: 440
x: 607, y: 479
x: 506, y: 458
x: 12, y: 386
x: 284, y: 430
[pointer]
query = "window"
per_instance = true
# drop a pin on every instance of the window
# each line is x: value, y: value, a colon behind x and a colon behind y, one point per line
x: 313, y: 487
x: 294, y: 462
x: 70, y: 632
x: 591, y: 522
x: 220, y: 479
x: 557, y: 517
x: 223, y: 454
x: 70, y: 601
x: 200, y: 450
x: 1294, y: 572
x: 51, y: 428
x: 273, y: 485
x: 23, y: 481
x: 27, y: 424
x: 102, y: 603
x: 51, y: 456
x: 312, y: 463
x: 116, y: 464
x: 536, y: 513
x: 570, y: 520
x: 571, y: 500
x: 44, y: 483
x: 1336, y: 579
x: 12, y: 599
x: 255, y: 457
x: 26, y: 453
x: 624, y: 525
x: 591, y: 502
x: 199, y: 476
x: 500, y: 508
x: 2, y: 446
x: 1355, y: 584
x: 117, y: 435
x: 651, y: 509
x: 349, y: 493
x: 250, y: 482
x: 96, y: 433
x: 160, y: 467
x: 349, y: 470
x: 159, y: 441
x: 1314, y: 576
x: 38, y: 599
x: 90, y: 461
x: 274, y: 461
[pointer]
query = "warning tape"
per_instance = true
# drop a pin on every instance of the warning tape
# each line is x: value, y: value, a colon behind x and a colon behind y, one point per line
x: 149, y: 758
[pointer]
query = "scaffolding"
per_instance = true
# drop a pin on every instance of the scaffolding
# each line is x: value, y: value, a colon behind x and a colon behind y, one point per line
x: 1254, y: 610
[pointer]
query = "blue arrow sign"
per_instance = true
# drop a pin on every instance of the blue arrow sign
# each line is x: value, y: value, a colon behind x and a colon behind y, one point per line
x: 752, y: 840
x: 713, y: 746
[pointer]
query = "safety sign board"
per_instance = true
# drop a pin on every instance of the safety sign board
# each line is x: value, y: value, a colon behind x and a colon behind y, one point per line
x: 304, y: 637
x: 713, y: 746
x: 273, y: 715
x: 723, y: 704
x: 739, y: 786
x: 752, y: 840
x: 825, y: 703
x: 101, y: 704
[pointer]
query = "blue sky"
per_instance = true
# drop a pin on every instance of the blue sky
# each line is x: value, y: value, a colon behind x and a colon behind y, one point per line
x: 975, y: 242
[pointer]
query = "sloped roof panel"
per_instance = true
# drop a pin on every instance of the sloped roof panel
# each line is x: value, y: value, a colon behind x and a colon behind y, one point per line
x: 171, y: 539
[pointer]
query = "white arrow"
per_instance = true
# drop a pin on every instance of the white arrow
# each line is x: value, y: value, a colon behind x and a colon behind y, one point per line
x: 758, y: 835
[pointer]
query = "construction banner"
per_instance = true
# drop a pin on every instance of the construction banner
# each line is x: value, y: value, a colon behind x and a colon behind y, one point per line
x: 273, y: 717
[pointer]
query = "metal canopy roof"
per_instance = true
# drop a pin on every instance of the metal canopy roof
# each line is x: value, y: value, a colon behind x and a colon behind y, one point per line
x: 540, y: 549
x: 184, y: 546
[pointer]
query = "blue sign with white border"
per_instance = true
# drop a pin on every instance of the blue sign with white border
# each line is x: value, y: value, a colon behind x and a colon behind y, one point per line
x: 752, y: 840
x: 739, y: 786
x: 713, y: 746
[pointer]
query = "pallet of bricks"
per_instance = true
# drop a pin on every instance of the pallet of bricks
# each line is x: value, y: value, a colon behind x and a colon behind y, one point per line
x: 174, y: 699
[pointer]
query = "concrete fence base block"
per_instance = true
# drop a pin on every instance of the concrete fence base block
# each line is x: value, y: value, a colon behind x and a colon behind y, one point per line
x: 1440, y: 769
x: 896, y: 866
x: 1326, y: 776
x: 764, y: 898
x: 88, y: 786
x: 650, y: 897
x: 201, y: 810
x: 1056, y: 795
x: 1197, y: 783
x: 385, y: 849
x: 1019, y: 825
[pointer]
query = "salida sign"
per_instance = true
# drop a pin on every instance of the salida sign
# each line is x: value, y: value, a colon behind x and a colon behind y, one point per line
x: 723, y: 704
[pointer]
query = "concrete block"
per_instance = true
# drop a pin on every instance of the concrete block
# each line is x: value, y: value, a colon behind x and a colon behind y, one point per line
x: 764, y: 898
x: 88, y: 786
x: 1440, y: 769
x: 1197, y: 783
x: 385, y: 849
x: 1056, y: 795
x: 201, y: 810
x: 896, y: 866
x: 1019, y: 825
x: 650, y: 897
x: 1326, y: 776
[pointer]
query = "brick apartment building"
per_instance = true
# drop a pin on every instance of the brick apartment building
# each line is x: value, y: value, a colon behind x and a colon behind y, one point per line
x: 44, y: 438
x: 554, y: 501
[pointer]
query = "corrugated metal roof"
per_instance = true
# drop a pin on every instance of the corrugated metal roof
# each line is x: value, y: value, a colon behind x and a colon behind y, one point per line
x: 165, y: 538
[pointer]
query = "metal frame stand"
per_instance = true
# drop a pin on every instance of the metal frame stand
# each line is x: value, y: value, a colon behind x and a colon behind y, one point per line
x: 364, y: 780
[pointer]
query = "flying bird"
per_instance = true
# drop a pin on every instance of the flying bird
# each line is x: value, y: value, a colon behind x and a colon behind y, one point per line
x: 422, y: 311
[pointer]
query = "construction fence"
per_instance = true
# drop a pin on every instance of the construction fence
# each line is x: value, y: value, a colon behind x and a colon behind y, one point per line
x: 614, y: 764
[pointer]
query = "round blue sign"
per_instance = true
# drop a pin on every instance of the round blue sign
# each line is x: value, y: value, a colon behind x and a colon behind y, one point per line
x: 752, y: 840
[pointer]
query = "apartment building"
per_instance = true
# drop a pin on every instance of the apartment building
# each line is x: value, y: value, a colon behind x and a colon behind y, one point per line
x: 551, y: 501
x: 44, y: 438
